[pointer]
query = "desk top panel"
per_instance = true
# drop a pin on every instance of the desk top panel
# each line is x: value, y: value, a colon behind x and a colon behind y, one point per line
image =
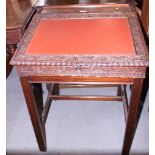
x: 103, y: 36
x: 110, y: 36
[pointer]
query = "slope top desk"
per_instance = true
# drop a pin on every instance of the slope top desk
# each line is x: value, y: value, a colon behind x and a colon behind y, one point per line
x: 82, y: 44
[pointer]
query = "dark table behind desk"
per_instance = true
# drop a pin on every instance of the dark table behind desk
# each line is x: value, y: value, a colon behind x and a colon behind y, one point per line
x: 18, y: 16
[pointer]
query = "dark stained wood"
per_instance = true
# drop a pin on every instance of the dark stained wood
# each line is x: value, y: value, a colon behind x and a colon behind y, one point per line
x: 14, y: 35
x: 82, y: 97
x: 38, y: 69
x: 74, y: 3
x: 80, y: 8
x: 119, y: 90
x: 10, y: 50
x: 65, y: 2
x: 38, y: 94
x: 17, y: 12
x: 145, y: 86
x: 53, y: 89
x: 18, y: 16
x: 34, y: 113
x: 57, y: 2
x: 50, y: 88
x: 85, y: 86
x: 145, y: 15
x: 145, y: 27
x: 132, y: 115
x: 56, y: 89
x: 46, y: 110
x: 96, y: 65
x: 125, y: 101
x: 80, y: 80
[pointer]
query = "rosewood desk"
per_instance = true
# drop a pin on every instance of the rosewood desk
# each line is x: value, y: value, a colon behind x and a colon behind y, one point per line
x: 104, y: 47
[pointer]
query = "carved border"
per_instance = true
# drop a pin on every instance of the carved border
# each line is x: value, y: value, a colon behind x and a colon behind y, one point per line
x: 92, y: 65
x: 95, y: 71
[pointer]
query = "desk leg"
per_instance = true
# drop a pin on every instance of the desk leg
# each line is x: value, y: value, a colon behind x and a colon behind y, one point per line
x: 39, y: 129
x: 38, y: 95
x: 132, y: 116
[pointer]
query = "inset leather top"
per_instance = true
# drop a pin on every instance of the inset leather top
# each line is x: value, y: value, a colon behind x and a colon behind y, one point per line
x: 102, y: 36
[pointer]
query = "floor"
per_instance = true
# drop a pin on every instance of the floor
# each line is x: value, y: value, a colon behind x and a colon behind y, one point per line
x: 73, y: 127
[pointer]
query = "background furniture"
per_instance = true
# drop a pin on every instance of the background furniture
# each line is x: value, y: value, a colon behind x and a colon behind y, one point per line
x: 18, y: 16
x: 143, y: 5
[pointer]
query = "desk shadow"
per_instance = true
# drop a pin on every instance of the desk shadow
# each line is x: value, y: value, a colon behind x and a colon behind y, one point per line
x: 68, y: 153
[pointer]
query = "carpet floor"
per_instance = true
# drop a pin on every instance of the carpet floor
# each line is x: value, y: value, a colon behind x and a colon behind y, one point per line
x: 73, y: 127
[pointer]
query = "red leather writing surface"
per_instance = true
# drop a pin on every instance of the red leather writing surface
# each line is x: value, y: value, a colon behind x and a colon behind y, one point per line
x: 110, y: 36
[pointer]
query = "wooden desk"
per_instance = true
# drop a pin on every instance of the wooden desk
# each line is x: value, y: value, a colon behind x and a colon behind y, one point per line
x: 117, y: 67
x: 20, y: 12
x: 18, y: 16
